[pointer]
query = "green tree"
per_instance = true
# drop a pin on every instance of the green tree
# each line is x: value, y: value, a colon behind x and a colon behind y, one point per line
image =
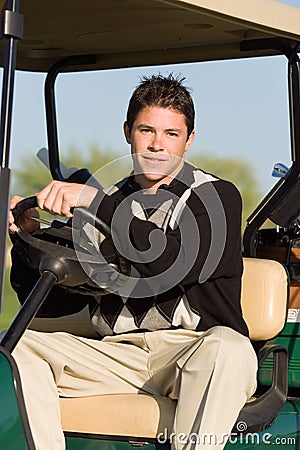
x: 33, y: 175
x: 11, y: 304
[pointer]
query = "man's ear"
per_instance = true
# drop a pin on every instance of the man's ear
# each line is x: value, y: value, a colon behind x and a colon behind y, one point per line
x: 189, y: 141
x: 127, y: 133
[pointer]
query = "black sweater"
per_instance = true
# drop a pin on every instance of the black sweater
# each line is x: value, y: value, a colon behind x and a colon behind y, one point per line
x: 184, y: 243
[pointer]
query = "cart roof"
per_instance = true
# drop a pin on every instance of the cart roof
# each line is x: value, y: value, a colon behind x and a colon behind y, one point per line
x: 126, y: 33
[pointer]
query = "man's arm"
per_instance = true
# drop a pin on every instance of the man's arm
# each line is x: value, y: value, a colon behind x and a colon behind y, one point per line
x: 57, y: 198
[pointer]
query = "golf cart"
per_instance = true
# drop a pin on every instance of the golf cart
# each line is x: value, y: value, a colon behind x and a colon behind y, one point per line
x: 67, y: 36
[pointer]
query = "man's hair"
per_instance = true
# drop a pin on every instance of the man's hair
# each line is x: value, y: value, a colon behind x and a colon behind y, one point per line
x: 164, y: 92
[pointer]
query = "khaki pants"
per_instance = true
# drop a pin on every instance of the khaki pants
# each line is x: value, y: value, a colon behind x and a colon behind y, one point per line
x: 211, y: 374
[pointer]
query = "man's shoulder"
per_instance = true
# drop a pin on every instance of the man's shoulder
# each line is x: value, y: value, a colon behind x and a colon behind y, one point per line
x: 203, y: 178
x: 116, y: 189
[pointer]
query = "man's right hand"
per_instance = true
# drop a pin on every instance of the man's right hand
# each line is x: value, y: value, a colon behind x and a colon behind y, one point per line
x: 26, y: 222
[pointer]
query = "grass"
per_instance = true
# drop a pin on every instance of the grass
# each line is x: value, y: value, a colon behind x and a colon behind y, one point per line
x: 10, y: 305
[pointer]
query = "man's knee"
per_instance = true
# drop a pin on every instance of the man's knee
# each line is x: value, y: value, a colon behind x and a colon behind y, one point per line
x: 225, y: 350
x: 236, y: 358
x: 232, y: 345
x: 229, y: 340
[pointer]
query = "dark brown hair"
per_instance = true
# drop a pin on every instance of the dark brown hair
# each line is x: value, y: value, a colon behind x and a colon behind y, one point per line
x: 164, y: 92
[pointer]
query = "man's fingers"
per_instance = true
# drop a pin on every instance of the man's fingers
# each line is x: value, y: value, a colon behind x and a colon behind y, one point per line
x: 12, y: 227
x: 60, y: 197
x: 45, y: 196
x: 14, y: 201
x: 26, y: 222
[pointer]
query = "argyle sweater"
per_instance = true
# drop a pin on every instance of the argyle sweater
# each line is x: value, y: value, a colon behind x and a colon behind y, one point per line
x: 184, y: 245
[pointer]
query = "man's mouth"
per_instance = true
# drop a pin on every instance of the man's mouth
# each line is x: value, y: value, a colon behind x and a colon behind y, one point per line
x: 155, y: 159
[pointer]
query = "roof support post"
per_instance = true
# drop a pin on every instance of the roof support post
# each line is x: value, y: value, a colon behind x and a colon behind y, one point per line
x: 11, y: 31
x: 294, y: 106
x: 51, y: 118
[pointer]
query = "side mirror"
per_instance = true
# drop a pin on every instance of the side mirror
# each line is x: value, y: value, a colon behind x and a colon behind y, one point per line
x: 279, y: 170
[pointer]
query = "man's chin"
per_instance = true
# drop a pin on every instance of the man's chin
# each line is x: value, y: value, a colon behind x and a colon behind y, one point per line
x: 155, y: 176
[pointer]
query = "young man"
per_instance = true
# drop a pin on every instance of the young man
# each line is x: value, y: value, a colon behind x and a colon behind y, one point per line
x: 174, y: 327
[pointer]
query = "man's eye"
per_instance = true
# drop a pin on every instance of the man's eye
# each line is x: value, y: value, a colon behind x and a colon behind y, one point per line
x: 172, y: 134
x: 145, y: 130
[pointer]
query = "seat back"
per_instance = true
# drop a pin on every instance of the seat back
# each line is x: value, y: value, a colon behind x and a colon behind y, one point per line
x: 264, y: 297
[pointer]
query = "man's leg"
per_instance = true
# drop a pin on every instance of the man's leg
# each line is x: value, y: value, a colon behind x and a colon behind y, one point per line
x: 212, y: 376
x: 53, y: 364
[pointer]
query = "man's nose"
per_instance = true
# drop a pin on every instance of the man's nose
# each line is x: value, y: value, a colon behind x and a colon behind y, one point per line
x: 156, y: 143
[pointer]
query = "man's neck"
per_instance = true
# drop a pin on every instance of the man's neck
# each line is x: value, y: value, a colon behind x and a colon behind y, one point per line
x: 149, y: 186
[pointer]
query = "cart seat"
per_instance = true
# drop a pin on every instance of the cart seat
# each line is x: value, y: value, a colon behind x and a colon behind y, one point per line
x: 264, y: 304
x: 133, y: 415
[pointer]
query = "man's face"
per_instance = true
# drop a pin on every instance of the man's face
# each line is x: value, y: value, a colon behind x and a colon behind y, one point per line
x: 158, y: 142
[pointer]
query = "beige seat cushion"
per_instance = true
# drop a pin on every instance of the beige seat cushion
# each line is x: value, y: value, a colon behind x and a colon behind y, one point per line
x: 118, y: 414
x: 264, y: 297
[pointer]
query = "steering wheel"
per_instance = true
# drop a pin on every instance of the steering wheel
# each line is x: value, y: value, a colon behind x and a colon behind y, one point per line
x: 73, y: 253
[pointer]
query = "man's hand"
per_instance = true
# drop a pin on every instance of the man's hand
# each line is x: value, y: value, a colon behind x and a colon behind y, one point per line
x: 59, y: 197
x: 26, y: 222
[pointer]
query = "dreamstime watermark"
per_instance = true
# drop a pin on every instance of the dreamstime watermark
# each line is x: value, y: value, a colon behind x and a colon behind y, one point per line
x: 211, y: 439
x: 171, y: 211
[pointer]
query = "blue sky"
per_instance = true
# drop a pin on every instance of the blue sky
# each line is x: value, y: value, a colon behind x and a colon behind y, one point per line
x: 241, y: 109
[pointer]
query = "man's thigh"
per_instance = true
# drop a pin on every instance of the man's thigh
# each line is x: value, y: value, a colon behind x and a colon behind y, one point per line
x: 173, y: 352
x: 83, y: 366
